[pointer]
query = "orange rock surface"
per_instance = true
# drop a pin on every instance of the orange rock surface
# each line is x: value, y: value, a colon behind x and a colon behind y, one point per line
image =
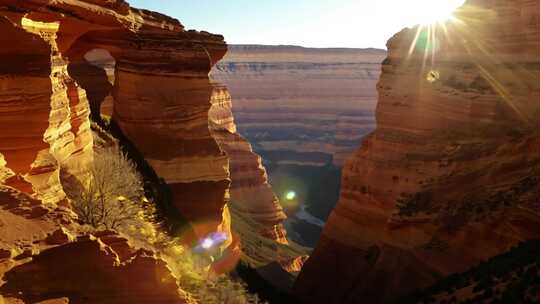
x: 161, y: 97
x: 68, y: 59
x: 450, y: 177
x: 250, y: 191
x: 45, y: 256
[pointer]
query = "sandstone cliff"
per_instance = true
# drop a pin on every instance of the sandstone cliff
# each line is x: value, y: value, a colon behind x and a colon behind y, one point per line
x: 68, y: 59
x: 250, y: 190
x: 300, y: 105
x: 450, y: 177
x: 304, y: 111
x: 49, y: 91
x: 161, y: 93
x: 257, y: 216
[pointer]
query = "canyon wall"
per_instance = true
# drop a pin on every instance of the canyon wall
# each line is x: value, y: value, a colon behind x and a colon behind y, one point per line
x: 257, y: 216
x: 44, y: 115
x: 250, y: 191
x: 162, y: 96
x: 161, y: 92
x: 450, y: 176
x: 299, y: 105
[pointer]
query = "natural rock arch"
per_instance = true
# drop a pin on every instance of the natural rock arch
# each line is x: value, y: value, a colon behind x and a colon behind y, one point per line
x: 95, y: 74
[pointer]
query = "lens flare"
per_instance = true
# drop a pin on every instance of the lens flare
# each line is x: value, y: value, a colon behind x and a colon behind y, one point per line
x: 433, y: 76
x: 290, y: 195
x: 211, y: 241
x: 207, y: 243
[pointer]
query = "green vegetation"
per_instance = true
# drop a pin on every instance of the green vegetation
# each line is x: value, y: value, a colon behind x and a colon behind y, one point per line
x: 261, y: 285
x: 106, y: 121
x: 201, y: 284
x: 512, y: 277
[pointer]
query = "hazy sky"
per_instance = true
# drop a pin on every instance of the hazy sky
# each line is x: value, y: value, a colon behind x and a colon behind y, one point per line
x: 310, y: 23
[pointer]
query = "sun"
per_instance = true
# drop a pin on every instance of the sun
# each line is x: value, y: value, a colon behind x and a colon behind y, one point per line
x: 431, y: 16
x: 434, y: 11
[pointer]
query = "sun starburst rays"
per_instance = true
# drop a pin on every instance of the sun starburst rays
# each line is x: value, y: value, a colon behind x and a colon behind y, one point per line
x: 465, y: 34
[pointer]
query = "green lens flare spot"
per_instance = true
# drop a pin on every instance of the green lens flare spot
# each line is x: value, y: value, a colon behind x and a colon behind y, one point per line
x: 290, y: 195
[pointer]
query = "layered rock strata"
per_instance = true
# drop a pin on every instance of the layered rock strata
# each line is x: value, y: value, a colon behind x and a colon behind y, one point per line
x: 257, y: 214
x: 44, y: 114
x: 49, y: 90
x: 161, y: 93
x: 450, y: 177
x: 299, y: 105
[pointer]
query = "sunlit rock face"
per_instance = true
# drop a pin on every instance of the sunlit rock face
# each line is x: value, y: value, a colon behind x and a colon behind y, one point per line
x: 48, y: 90
x: 44, y: 114
x: 450, y: 177
x: 161, y: 95
x: 302, y: 106
x: 250, y: 192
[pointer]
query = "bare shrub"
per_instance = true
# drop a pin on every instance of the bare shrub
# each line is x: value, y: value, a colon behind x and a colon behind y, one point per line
x: 112, y: 196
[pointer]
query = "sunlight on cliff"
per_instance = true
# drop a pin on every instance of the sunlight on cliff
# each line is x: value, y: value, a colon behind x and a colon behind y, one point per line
x: 39, y: 28
x: 443, y: 32
x: 432, y: 18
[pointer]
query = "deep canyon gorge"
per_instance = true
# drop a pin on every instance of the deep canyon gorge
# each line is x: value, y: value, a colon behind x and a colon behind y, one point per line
x: 304, y: 110
x: 430, y: 150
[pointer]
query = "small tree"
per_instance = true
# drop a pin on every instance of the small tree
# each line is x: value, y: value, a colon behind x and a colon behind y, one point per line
x: 111, y: 198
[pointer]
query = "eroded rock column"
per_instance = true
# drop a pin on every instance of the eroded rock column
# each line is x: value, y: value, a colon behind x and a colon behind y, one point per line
x: 45, y: 116
x: 162, y: 97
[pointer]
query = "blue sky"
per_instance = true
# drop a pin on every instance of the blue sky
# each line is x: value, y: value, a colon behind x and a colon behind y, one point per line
x: 310, y: 23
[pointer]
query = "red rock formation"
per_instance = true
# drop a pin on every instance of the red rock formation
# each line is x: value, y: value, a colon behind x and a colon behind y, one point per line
x: 91, y: 272
x: 161, y: 93
x: 250, y: 191
x: 41, y: 258
x: 162, y: 97
x: 43, y: 114
x: 451, y: 175
x: 263, y: 239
